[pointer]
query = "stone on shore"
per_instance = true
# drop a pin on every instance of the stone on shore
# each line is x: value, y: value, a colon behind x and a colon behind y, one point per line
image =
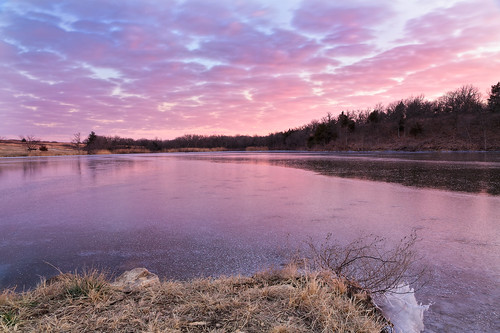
x: 134, y: 279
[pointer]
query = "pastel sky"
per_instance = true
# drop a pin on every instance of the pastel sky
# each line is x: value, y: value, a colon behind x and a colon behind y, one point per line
x: 164, y: 68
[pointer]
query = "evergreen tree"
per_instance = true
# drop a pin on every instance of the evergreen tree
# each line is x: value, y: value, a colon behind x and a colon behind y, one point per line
x: 91, y: 139
x: 494, y: 99
x: 91, y: 142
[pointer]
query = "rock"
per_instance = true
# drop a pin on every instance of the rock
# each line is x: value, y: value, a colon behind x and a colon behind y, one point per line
x: 134, y: 279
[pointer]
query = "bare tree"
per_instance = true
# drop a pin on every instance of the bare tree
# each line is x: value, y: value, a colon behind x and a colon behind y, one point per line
x: 368, y: 261
x: 31, y: 142
x: 466, y: 99
x: 76, y: 142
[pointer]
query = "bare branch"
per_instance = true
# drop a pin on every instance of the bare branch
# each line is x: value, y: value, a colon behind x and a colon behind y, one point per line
x: 76, y: 142
x: 369, y: 261
x: 31, y: 142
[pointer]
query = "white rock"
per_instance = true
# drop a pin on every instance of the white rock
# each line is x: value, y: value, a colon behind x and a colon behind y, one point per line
x: 135, y: 278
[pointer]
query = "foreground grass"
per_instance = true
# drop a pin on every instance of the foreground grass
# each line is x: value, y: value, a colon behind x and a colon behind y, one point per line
x: 274, y: 301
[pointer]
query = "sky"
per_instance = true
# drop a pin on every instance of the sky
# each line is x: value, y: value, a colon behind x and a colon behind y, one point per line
x: 165, y: 68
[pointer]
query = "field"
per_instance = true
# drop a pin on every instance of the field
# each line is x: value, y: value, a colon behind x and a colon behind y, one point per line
x: 14, y: 148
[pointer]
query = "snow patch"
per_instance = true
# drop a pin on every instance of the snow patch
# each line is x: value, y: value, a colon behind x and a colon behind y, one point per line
x: 400, y: 306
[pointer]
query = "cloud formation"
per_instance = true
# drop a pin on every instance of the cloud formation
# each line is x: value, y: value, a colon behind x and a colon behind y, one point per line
x: 163, y: 69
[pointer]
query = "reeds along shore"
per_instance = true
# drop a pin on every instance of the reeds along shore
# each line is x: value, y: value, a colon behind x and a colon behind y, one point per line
x: 271, y: 301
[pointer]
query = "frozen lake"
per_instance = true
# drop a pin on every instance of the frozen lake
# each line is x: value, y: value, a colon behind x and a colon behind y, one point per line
x: 189, y: 215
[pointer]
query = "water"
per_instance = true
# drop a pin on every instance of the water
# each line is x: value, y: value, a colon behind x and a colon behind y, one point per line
x: 189, y: 215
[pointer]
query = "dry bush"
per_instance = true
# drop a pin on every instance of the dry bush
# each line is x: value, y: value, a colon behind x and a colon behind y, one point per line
x: 76, y: 142
x: 373, y: 262
x: 31, y: 142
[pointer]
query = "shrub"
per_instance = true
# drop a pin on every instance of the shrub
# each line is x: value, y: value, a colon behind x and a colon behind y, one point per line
x: 368, y: 261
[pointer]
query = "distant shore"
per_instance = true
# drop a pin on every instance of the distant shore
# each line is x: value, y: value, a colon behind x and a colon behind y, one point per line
x: 16, y: 148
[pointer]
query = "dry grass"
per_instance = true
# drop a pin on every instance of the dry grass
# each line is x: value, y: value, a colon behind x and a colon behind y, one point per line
x: 274, y: 301
x: 15, y: 148
x: 257, y: 148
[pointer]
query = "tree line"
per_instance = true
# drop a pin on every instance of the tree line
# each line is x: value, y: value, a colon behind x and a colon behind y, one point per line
x: 459, y: 119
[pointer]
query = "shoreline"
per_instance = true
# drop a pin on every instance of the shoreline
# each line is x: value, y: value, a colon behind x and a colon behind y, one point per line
x: 15, y: 148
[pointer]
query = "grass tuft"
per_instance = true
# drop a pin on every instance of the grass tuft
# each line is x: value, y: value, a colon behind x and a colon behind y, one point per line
x: 8, y: 318
x: 91, y: 285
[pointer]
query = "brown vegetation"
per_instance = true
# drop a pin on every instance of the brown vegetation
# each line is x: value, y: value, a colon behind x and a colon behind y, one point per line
x: 273, y: 301
x: 446, y: 132
x: 17, y: 148
x: 372, y: 262
x: 14, y: 148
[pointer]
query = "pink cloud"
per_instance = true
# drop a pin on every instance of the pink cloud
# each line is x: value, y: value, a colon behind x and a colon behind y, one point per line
x: 452, y: 21
x: 353, y: 50
x: 32, y: 32
x: 92, y: 26
x: 224, y: 73
x: 450, y: 76
x: 254, y: 48
x: 349, y: 35
x: 321, y: 16
x: 203, y: 18
x: 142, y: 67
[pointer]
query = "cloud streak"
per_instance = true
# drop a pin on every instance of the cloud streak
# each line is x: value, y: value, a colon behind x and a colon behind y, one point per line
x: 163, y: 69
